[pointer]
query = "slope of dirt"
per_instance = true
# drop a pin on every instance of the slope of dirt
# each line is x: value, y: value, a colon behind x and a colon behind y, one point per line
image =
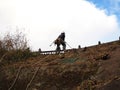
x: 90, y: 68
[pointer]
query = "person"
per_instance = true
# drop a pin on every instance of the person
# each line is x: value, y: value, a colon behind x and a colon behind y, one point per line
x: 60, y: 41
x: 62, y: 36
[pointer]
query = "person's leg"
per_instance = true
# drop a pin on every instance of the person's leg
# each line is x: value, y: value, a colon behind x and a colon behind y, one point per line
x: 64, y: 46
x: 58, y: 47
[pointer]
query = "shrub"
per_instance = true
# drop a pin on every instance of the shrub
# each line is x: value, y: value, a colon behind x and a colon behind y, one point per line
x: 14, y: 46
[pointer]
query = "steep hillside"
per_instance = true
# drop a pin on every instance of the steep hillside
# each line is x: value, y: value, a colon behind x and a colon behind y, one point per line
x: 90, y: 68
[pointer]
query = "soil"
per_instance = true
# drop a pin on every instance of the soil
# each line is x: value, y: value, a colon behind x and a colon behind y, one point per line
x: 90, y: 68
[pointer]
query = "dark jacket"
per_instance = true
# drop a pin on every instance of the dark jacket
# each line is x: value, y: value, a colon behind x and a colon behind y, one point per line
x: 62, y: 36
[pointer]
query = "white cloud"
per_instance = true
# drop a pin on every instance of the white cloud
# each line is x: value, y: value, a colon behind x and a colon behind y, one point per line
x: 7, y: 14
x: 83, y: 23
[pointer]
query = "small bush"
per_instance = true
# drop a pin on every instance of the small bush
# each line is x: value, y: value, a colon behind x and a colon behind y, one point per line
x: 18, y: 55
x: 14, y: 46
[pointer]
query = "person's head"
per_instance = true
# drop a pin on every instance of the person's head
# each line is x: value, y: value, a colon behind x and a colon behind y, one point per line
x: 63, y: 33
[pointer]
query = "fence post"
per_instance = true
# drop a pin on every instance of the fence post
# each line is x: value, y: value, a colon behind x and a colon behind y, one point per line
x: 79, y: 47
x: 99, y: 43
x: 39, y: 50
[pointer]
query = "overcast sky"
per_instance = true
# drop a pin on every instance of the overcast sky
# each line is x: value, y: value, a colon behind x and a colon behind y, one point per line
x: 85, y: 22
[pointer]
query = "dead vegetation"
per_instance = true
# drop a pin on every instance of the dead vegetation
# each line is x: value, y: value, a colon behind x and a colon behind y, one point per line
x: 91, y: 68
x: 14, y: 47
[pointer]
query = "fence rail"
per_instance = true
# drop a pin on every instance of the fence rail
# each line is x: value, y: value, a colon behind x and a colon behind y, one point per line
x: 56, y: 52
x: 51, y: 52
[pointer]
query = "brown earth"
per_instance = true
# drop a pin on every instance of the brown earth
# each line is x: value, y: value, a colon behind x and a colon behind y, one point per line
x: 90, y: 68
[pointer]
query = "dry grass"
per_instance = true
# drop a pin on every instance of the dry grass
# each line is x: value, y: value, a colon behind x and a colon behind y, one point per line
x: 14, y: 47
